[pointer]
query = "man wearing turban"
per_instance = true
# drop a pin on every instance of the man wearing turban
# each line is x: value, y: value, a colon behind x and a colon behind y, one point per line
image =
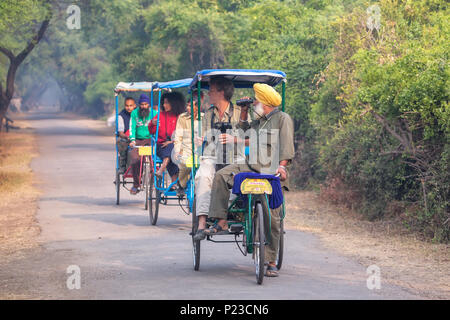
x: 271, y: 143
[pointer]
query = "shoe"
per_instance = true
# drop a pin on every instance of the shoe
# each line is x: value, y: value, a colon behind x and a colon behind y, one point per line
x: 271, y: 271
x: 200, y: 235
x: 134, y: 190
x: 216, y: 229
x: 180, y: 192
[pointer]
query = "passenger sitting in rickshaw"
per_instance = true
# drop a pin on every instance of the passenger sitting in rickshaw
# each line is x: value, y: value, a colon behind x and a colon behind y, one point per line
x: 277, y: 147
x: 221, y: 111
x: 173, y: 104
x: 139, y: 136
x: 183, y: 141
x: 123, y: 125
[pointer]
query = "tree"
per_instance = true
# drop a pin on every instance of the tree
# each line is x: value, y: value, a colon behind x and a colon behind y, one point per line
x: 30, y: 17
x: 382, y: 115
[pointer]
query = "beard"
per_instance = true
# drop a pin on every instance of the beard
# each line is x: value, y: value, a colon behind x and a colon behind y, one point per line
x: 258, y: 111
x: 143, y: 113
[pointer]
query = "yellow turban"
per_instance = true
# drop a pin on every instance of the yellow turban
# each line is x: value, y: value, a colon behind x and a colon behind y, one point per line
x: 267, y: 95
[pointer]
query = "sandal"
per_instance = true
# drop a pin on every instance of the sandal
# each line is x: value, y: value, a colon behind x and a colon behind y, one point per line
x: 134, y: 190
x: 215, y: 229
x: 271, y: 271
x: 200, y: 235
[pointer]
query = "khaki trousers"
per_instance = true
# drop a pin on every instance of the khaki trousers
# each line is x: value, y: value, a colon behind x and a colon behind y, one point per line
x: 203, y: 183
x: 183, y: 175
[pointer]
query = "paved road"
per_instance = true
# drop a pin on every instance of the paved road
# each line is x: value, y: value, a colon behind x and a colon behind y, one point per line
x: 121, y: 256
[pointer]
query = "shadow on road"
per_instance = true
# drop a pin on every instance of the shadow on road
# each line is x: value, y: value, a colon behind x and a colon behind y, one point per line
x: 109, y: 202
x: 95, y: 146
x: 66, y: 131
x: 127, y: 219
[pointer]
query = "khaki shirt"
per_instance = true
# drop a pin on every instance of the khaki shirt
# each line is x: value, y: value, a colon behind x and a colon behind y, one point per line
x: 183, y: 138
x: 211, y: 148
x: 271, y: 141
x: 227, y: 117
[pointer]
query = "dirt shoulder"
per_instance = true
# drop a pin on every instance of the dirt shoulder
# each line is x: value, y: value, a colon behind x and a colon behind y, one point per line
x: 422, y: 268
x: 18, y: 203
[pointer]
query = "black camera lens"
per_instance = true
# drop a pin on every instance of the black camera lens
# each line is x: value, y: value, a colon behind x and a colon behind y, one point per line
x: 244, y: 102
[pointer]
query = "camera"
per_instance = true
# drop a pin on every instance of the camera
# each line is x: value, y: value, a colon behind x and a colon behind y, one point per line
x: 222, y: 126
x: 244, y: 102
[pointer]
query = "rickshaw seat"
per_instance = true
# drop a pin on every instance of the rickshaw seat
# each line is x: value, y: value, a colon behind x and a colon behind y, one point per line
x: 276, y: 194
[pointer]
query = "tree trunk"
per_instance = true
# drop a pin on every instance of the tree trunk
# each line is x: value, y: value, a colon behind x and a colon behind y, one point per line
x: 14, y: 63
x: 3, y: 108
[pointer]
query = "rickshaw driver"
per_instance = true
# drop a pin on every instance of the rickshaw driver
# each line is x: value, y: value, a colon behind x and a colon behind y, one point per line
x: 222, y: 109
x: 269, y: 117
x: 123, y: 126
x: 139, y: 136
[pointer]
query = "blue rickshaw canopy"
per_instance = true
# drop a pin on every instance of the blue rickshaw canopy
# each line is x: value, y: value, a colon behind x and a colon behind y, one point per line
x: 242, y: 78
x: 182, y: 83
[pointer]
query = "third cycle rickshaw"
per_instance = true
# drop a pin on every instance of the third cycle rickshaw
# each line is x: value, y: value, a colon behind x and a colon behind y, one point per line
x: 146, y: 168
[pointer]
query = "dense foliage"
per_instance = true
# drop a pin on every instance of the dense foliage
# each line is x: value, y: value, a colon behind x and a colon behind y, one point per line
x: 369, y: 101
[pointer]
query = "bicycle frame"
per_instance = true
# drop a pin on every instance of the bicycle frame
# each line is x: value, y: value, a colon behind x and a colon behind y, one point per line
x: 248, y: 213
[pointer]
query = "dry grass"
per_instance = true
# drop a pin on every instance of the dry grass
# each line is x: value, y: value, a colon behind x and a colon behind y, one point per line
x: 18, y: 227
x: 421, y: 267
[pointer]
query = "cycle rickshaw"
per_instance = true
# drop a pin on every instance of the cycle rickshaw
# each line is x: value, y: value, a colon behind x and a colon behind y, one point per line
x: 160, y: 190
x: 245, y: 213
x: 146, y: 167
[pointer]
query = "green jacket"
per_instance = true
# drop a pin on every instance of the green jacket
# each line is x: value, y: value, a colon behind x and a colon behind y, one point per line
x: 139, y: 126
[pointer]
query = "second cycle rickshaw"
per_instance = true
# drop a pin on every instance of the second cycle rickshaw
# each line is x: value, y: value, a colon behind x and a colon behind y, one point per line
x: 161, y: 191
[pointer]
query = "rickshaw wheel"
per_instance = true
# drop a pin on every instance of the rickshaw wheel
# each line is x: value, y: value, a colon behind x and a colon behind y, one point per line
x: 156, y: 199
x: 146, y: 183
x: 259, y: 242
x: 195, y: 244
x: 281, y: 246
x: 152, y: 196
x: 117, y: 187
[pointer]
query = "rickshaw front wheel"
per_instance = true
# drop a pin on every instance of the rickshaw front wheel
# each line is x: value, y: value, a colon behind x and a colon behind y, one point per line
x: 258, y: 242
x: 155, y: 198
x: 281, y: 246
x: 195, y: 244
x: 146, y: 184
x: 117, y: 187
